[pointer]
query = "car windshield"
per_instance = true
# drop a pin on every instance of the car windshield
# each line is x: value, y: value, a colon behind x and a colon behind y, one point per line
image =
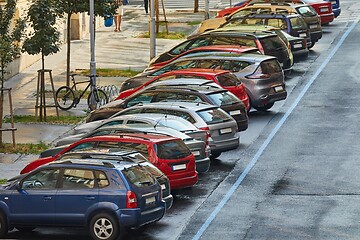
x: 223, y: 98
x: 213, y: 116
x: 172, y: 150
x: 138, y: 176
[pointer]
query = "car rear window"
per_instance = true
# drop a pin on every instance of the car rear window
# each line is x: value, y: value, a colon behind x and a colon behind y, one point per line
x: 306, y: 11
x: 223, y: 98
x: 214, y: 115
x: 272, y: 43
x: 270, y: 66
x: 138, y: 176
x: 298, y: 23
x: 228, y: 80
x: 172, y: 150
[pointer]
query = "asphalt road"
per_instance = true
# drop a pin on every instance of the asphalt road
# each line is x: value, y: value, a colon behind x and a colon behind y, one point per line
x: 295, y: 175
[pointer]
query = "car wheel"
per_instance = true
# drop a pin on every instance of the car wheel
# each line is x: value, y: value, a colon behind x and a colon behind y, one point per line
x: 25, y: 229
x: 265, y: 107
x: 311, y: 45
x: 3, y: 226
x: 104, y: 226
x: 214, y: 155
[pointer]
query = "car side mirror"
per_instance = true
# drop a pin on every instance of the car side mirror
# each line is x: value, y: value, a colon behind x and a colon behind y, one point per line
x: 17, y: 186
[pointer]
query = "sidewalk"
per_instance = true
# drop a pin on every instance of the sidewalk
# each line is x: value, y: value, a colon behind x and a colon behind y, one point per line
x: 118, y: 50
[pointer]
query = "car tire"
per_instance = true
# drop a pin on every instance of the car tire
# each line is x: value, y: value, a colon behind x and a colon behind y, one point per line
x: 104, y: 226
x: 215, y: 155
x: 3, y: 226
x: 264, y: 108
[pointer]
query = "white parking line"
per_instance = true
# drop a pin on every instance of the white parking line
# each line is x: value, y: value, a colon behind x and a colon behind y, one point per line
x: 271, y: 135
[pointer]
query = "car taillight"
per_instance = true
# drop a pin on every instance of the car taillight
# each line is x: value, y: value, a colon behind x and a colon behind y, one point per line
x: 258, y: 74
x: 131, y: 201
x: 207, y: 129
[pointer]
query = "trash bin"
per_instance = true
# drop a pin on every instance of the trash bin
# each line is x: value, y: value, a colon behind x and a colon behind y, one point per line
x: 108, y: 21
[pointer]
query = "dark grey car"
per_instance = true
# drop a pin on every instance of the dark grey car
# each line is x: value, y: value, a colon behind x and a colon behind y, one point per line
x: 261, y: 75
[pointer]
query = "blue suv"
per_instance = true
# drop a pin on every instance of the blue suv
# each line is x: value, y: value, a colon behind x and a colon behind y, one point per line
x: 106, y: 197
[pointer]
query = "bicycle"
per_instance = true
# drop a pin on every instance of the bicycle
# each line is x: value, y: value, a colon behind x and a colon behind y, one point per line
x: 69, y: 97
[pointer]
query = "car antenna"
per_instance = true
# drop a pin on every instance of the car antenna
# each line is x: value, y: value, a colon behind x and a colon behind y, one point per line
x: 157, y: 122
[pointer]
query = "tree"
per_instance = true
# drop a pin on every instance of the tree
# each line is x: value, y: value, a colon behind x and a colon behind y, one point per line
x: 44, y: 38
x: 9, y: 45
x: 69, y: 7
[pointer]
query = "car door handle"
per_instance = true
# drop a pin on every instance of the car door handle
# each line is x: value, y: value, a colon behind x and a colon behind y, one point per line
x: 89, y: 198
x: 47, y: 198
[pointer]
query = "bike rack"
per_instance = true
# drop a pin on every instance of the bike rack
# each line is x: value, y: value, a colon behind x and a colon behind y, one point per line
x: 40, y: 94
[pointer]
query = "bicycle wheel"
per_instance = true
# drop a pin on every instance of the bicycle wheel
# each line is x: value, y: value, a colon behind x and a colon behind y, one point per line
x: 65, y: 98
x: 95, y: 102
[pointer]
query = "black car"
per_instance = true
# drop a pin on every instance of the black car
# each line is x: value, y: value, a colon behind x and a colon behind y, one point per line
x: 268, y: 44
x: 294, y: 24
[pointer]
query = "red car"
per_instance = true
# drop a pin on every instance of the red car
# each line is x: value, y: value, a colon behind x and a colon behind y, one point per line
x: 169, y: 154
x: 207, y: 49
x: 227, y: 11
x: 323, y: 8
x: 224, y: 78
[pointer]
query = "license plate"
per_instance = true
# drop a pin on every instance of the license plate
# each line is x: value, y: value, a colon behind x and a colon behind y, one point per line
x: 313, y: 26
x: 299, y: 45
x: 236, y: 112
x: 278, y: 89
x: 225, y: 130
x: 179, y: 167
x: 324, y: 9
x: 303, y: 35
x: 150, y: 200
x: 163, y: 187
x: 196, y: 153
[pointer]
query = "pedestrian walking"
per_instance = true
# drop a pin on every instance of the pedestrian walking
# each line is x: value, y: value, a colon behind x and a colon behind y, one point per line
x: 146, y: 6
x: 118, y: 15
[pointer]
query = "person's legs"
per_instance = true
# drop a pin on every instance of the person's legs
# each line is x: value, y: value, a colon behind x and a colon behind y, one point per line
x: 146, y: 6
x: 117, y: 19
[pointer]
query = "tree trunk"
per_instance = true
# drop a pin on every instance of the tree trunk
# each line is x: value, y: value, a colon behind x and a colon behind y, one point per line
x: 196, y: 6
x: 68, y: 50
x: 2, y: 101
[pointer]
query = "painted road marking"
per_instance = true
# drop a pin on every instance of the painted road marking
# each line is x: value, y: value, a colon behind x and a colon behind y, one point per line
x: 271, y: 136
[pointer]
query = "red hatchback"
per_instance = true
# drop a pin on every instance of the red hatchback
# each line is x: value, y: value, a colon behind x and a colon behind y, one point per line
x: 207, y: 49
x: 224, y: 78
x: 169, y: 154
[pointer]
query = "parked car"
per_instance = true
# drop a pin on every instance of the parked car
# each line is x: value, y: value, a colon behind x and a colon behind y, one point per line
x: 262, y: 75
x: 221, y: 127
x: 299, y: 46
x: 267, y: 43
x: 335, y: 4
x: 293, y: 24
x: 223, y: 78
x: 103, y: 197
x: 177, y: 91
x: 196, y: 140
x: 121, y: 155
x: 307, y: 12
x: 178, y: 164
x: 199, y: 91
x: 208, y: 49
x: 322, y: 7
